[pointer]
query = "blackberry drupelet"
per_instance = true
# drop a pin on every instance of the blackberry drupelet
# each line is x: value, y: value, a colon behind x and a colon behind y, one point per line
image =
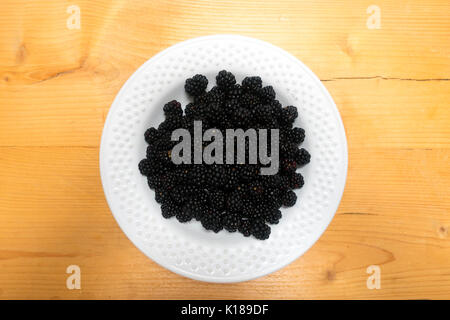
x: 224, y: 196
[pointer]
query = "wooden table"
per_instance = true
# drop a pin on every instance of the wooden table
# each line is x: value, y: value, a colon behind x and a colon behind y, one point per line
x: 391, y: 85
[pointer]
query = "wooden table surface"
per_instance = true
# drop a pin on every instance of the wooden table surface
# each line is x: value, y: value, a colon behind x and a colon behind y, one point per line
x: 391, y: 85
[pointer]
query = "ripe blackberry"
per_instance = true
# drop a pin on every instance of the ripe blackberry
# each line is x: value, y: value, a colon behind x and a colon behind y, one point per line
x: 297, y: 135
x: 234, y: 203
x: 145, y: 167
x: 173, y: 109
x: 169, y: 210
x: 245, y: 228
x: 288, y: 115
x: 212, y: 221
x: 249, y: 100
x: 302, y: 157
x: 296, y: 181
x: 252, y: 84
x: 231, y: 221
x: 235, y: 92
x: 225, y: 80
x: 196, y: 85
x: 217, y: 199
x: 267, y: 94
x: 260, y: 230
x: 289, y: 199
x: 182, y: 216
x: 288, y: 166
x: 151, y: 135
x: 273, y: 216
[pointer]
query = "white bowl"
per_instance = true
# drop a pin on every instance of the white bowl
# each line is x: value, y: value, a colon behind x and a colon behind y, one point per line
x: 188, y: 249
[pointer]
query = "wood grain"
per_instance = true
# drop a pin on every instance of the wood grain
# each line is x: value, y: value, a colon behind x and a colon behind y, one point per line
x: 391, y: 86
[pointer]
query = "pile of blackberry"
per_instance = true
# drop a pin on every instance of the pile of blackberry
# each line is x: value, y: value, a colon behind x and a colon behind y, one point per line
x: 224, y: 196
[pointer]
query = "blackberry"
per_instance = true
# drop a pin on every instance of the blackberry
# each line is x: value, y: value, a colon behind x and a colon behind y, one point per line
x: 245, y: 228
x: 252, y: 84
x: 151, y: 135
x: 196, y: 85
x: 260, y: 230
x: 234, y: 197
x: 231, y: 221
x: 225, y: 80
x: 302, y: 157
x: 217, y: 199
x: 182, y: 216
x: 235, y: 92
x: 296, y: 181
x: 145, y: 167
x: 249, y: 100
x: 297, y: 135
x: 267, y: 94
x: 289, y: 199
x: 288, y: 115
x: 169, y: 210
x: 288, y: 166
x: 212, y: 221
x: 234, y: 202
x: 273, y: 216
x: 173, y: 109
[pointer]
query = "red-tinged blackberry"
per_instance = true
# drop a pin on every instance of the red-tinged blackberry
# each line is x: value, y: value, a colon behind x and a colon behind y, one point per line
x: 145, y: 167
x: 296, y: 181
x: 289, y: 198
x: 288, y: 115
x: 225, y: 80
x: 196, y: 85
x: 151, y: 135
x: 302, y: 157
x: 230, y: 221
x: 252, y: 84
x: 245, y: 228
x: 267, y: 94
x: 169, y: 210
x: 288, y: 166
x: 212, y: 221
x: 260, y: 230
x: 273, y: 216
x: 173, y: 109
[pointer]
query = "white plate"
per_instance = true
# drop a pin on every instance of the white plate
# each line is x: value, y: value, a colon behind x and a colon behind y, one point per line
x: 188, y: 249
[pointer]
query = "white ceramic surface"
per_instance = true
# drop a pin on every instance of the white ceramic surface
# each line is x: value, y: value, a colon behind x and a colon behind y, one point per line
x: 188, y: 249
